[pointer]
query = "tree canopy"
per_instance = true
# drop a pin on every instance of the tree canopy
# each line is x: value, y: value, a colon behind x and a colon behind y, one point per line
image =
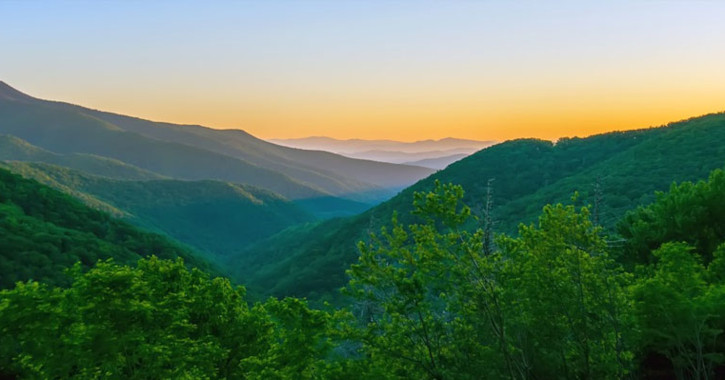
x: 426, y: 300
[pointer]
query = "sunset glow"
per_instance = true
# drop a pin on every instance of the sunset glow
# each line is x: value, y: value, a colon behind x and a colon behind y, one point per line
x: 400, y: 70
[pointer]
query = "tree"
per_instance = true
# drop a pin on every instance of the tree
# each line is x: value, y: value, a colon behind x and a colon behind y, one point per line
x: 549, y: 303
x: 693, y: 213
x: 408, y: 279
x: 680, y: 310
x: 158, y: 320
x: 565, y: 299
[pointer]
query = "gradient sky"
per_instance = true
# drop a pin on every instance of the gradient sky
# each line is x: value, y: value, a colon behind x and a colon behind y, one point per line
x: 404, y: 70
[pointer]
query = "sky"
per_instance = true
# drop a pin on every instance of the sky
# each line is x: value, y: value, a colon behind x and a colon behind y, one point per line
x: 404, y: 70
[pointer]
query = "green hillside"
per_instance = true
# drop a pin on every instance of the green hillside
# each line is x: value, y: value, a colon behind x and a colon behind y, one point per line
x: 43, y: 232
x: 15, y: 149
x: 570, y: 309
x: 628, y: 167
x: 215, y: 217
x: 195, y: 152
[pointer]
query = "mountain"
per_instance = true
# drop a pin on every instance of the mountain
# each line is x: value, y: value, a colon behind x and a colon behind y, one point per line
x: 43, y: 232
x: 336, y: 174
x: 397, y: 152
x: 438, y: 162
x: 404, y: 157
x: 358, y: 145
x: 613, y: 172
x: 63, y: 131
x: 195, y: 152
x: 217, y: 218
x: 13, y: 148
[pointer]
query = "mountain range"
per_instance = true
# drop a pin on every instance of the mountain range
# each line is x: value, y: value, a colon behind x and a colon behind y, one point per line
x: 217, y: 218
x: 285, y: 221
x: 192, y: 152
x: 434, y: 154
x: 216, y: 190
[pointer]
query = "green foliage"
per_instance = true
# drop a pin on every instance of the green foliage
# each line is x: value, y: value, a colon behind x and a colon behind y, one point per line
x: 43, y: 231
x: 428, y: 302
x: 214, y: 217
x: 567, y: 299
x: 158, y: 320
x: 627, y: 167
x: 694, y: 213
x: 549, y: 304
x: 681, y: 310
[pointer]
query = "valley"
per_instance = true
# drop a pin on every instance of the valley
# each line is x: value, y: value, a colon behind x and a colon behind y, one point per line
x: 362, y: 190
x: 294, y: 227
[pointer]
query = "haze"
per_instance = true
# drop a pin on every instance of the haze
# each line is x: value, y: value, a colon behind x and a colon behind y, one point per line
x: 395, y: 70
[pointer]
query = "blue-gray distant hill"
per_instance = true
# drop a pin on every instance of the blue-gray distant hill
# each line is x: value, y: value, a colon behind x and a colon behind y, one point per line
x: 439, y: 162
x: 397, y: 152
x: 194, y: 152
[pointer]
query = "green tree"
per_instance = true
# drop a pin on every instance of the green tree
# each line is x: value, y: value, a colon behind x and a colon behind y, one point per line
x: 680, y: 310
x: 405, y: 284
x: 550, y: 303
x: 158, y: 320
x: 689, y: 212
x: 565, y: 299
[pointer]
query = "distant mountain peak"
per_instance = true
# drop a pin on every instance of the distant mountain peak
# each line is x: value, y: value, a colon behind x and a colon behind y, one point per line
x: 9, y: 93
x: 391, y: 151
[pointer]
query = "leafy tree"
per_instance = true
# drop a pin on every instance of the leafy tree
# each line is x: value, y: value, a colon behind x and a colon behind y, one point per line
x: 406, y: 283
x: 680, y: 310
x: 565, y: 299
x: 159, y: 320
x: 550, y: 303
x: 689, y: 212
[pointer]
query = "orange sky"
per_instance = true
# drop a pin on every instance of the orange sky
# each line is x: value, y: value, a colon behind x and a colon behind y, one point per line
x: 395, y: 70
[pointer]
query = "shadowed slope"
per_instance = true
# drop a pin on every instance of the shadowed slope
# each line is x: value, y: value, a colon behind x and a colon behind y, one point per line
x: 43, y: 232
x: 215, y: 217
x: 526, y: 174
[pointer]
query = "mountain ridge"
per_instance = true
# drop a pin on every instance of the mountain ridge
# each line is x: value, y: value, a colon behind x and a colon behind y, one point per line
x: 47, y: 231
x: 256, y: 160
x: 627, y: 167
x: 214, y: 217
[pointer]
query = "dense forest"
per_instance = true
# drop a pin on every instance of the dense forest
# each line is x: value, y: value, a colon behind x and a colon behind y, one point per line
x: 613, y: 172
x: 43, y: 232
x: 217, y: 218
x: 562, y: 297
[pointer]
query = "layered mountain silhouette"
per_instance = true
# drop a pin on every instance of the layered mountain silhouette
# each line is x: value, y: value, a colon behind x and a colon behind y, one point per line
x: 434, y: 154
x: 193, y: 152
x: 216, y: 190
x: 437, y: 162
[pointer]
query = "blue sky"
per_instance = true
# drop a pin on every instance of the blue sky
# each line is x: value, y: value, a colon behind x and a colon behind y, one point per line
x: 387, y: 69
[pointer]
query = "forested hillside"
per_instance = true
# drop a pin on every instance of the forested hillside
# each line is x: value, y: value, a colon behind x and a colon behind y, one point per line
x: 217, y: 218
x: 15, y: 149
x: 613, y: 172
x: 43, y: 232
x: 429, y: 300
